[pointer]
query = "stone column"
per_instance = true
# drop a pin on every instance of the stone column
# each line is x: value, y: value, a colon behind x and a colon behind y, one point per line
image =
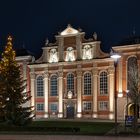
x: 60, y: 93
x: 79, y: 92
x: 95, y: 91
x: 46, y: 93
x: 111, y: 92
x: 120, y: 76
x: 33, y: 87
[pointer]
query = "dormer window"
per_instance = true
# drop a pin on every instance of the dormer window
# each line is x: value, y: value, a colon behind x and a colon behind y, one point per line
x: 53, y: 56
x: 70, y: 54
x: 87, y: 52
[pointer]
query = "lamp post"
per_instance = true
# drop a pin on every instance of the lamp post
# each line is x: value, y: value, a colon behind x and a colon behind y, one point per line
x: 115, y: 56
x: 127, y: 92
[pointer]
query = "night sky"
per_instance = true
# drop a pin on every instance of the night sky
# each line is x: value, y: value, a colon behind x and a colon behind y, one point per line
x: 30, y: 22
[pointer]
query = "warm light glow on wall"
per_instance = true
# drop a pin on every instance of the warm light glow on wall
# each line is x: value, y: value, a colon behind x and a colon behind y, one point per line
x: 111, y: 116
x: 60, y: 115
x: 120, y: 95
x: 46, y: 116
x: 94, y: 115
x: 79, y: 115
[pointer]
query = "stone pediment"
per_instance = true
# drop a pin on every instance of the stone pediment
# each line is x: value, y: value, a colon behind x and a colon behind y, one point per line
x: 69, y: 31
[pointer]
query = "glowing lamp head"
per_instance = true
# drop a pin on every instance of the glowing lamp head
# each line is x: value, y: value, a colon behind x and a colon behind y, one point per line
x: 115, y: 56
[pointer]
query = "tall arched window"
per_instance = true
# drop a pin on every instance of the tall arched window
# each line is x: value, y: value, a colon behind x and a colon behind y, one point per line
x: 70, y: 83
x: 103, y: 83
x: 53, y: 85
x: 40, y: 86
x: 87, y: 84
x: 132, y: 69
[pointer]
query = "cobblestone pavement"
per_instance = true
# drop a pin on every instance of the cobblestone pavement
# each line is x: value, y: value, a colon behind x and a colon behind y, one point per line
x: 64, y: 137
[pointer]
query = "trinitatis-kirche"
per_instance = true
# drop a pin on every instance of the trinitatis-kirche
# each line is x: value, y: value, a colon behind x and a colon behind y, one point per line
x: 74, y: 78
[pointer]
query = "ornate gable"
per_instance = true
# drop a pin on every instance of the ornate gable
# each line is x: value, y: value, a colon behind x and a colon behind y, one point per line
x: 69, y: 31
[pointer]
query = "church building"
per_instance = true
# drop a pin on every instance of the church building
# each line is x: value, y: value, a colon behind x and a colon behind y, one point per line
x: 74, y: 78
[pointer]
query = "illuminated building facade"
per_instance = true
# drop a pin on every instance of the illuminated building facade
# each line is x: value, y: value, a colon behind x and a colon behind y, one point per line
x: 74, y: 78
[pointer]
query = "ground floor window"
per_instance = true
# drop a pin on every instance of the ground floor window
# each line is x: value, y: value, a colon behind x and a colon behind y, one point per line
x: 87, y: 106
x: 103, y: 105
x: 40, y: 107
x: 53, y: 107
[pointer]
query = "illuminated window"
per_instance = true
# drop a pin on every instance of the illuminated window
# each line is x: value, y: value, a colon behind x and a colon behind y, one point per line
x: 40, y: 86
x: 53, y: 56
x: 87, y: 106
x: 40, y: 107
x: 53, y: 107
x: 103, y: 83
x: 103, y: 105
x: 70, y: 54
x: 87, y: 84
x: 70, y: 82
x: 87, y: 52
x: 53, y: 86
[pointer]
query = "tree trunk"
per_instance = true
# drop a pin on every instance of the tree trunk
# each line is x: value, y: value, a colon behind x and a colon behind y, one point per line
x: 135, y: 117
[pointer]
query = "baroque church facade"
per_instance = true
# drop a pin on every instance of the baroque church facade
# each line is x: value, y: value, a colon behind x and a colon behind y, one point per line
x: 74, y: 78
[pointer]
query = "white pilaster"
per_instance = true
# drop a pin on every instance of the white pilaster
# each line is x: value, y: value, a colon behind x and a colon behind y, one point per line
x: 46, y: 93
x: 95, y: 91
x: 111, y: 91
x: 60, y: 92
x: 120, y: 76
x: 33, y: 87
x: 79, y: 92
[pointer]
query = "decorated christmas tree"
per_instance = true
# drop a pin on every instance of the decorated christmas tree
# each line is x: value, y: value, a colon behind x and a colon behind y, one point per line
x: 12, y: 90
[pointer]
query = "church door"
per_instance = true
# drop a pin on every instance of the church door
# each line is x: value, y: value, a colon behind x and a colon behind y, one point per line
x: 70, y: 112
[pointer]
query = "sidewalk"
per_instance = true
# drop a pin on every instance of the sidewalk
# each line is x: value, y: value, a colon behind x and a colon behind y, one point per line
x: 122, y: 130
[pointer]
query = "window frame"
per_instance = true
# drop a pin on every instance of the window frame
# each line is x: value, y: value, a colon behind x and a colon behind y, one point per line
x: 71, y: 85
x: 102, y: 105
x: 50, y: 109
x: 87, y: 107
x: 103, y: 83
x: 41, y: 107
x: 88, y: 85
x: 39, y: 87
x: 55, y: 87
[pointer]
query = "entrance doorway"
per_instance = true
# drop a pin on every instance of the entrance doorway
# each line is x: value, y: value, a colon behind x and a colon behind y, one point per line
x: 70, y: 112
x: 131, y: 108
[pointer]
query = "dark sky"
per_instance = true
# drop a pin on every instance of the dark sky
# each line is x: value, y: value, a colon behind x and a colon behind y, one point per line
x: 30, y: 22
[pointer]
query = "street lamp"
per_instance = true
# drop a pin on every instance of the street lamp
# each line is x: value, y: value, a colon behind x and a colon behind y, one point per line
x: 115, y: 56
x: 127, y: 92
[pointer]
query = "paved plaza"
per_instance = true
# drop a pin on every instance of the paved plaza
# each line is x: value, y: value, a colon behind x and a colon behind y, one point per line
x: 63, y: 137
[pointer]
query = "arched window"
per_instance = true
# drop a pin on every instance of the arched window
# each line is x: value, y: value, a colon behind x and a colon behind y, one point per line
x: 103, y: 83
x: 70, y: 83
x: 87, y: 84
x: 53, y: 85
x: 40, y: 86
x: 132, y: 70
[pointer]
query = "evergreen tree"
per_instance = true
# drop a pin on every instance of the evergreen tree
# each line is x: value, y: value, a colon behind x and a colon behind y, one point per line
x: 12, y: 86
